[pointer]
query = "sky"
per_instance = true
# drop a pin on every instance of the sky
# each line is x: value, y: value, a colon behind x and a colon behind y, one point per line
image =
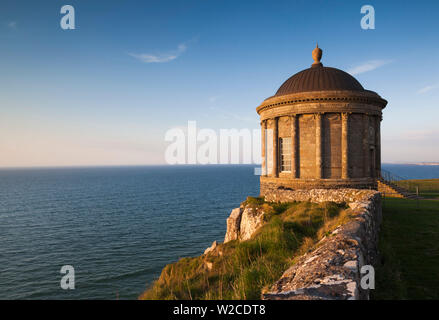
x: 106, y: 92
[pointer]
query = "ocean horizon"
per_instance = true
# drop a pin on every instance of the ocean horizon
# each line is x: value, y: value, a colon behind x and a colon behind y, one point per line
x: 118, y: 226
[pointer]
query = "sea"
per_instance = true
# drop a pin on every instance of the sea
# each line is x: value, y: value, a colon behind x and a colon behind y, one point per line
x: 117, y: 227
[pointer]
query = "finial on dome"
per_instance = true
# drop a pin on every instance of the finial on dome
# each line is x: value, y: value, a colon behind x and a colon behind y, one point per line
x: 317, y: 55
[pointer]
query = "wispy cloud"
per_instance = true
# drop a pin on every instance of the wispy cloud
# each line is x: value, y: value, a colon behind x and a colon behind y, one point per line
x: 368, y: 66
x: 161, y: 57
x: 428, y: 88
x: 12, y: 24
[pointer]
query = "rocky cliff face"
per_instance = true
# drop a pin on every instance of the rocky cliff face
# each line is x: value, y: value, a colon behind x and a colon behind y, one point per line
x: 333, y: 270
x: 243, y: 223
x: 233, y: 225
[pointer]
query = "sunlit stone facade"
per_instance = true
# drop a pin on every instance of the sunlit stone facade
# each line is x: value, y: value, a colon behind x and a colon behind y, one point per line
x: 320, y: 130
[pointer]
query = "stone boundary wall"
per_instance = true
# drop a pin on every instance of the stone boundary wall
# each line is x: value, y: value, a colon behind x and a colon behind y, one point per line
x: 332, y: 270
x: 270, y: 185
x: 339, y: 195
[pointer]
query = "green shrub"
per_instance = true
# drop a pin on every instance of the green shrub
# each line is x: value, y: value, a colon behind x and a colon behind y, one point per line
x: 254, y: 201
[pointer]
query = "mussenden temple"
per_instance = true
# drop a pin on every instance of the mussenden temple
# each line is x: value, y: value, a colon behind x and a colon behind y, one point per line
x: 318, y: 203
x: 321, y: 130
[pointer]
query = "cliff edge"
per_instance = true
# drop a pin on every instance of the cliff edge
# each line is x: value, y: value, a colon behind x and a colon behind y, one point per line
x: 309, y: 244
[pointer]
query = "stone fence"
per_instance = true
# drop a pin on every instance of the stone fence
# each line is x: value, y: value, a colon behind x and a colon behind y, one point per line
x: 333, y: 269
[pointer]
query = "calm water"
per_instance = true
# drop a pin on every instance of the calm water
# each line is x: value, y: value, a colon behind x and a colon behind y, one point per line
x: 118, y: 227
x: 413, y: 171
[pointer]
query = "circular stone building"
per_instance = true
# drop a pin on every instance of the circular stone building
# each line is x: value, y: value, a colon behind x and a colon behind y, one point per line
x: 320, y: 130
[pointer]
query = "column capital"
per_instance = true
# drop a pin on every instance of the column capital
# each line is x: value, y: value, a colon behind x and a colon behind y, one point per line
x: 345, y: 115
x: 318, y: 115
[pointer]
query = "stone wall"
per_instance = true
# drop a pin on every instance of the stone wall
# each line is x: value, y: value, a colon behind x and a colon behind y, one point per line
x: 332, y: 270
x: 280, y: 189
x: 284, y: 127
x: 356, y: 154
x: 331, y: 145
x: 326, y: 146
x: 307, y: 146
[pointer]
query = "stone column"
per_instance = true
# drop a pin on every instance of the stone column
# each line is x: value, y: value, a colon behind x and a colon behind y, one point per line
x: 366, y: 149
x: 275, y: 148
x: 344, y: 145
x: 318, y: 117
x: 294, y: 148
x: 263, y: 138
x: 378, y: 146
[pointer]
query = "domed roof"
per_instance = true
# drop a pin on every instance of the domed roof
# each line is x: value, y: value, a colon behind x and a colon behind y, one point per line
x: 319, y: 78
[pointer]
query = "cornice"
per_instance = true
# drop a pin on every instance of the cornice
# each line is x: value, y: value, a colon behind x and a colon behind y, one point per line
x: 363, y: 97
x: 321, y: 108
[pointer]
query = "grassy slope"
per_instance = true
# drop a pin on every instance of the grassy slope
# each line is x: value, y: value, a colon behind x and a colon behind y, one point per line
x: 409, y: 246
x: 244, y: 268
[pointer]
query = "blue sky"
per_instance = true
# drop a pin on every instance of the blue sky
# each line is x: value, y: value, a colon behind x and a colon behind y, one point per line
x: 98, y: 95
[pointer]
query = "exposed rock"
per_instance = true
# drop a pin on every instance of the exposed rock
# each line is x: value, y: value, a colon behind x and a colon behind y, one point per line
x: 252, y: 219
x: 332, y: 271
x: 211, y: 248
x: 233, y: 225
x: 209, y: 265
x: 243, y: 223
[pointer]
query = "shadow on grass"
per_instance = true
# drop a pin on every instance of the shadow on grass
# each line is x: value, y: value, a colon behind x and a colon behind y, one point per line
x: 409, y: 250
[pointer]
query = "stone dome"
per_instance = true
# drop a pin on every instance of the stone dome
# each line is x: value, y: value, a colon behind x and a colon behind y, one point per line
x: 319, y: 78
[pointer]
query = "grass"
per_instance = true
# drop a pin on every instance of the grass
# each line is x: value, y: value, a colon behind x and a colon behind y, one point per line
x: 241, y: 270
x: 428, y: 188
x: 409, y: 248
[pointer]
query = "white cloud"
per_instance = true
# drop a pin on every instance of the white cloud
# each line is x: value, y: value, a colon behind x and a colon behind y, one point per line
x: 162, y: 57
x: 368, y: 66
x: 428, y: 88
